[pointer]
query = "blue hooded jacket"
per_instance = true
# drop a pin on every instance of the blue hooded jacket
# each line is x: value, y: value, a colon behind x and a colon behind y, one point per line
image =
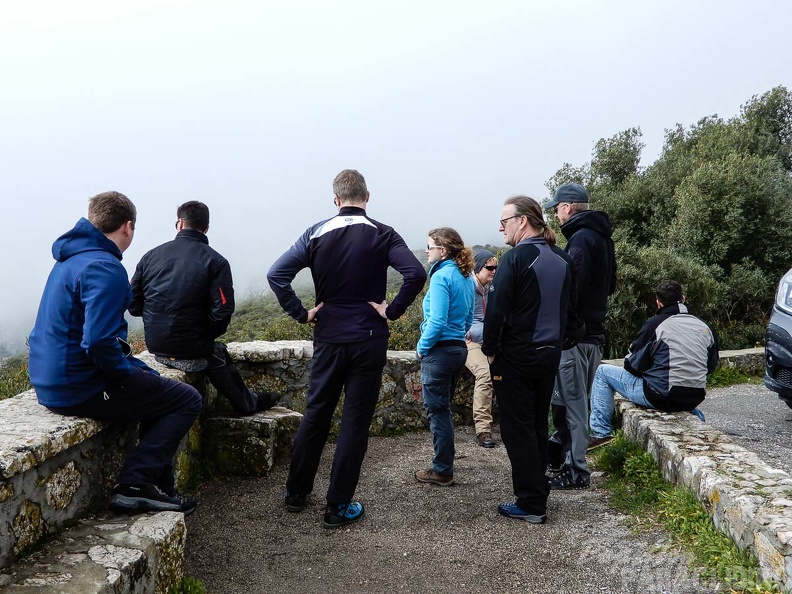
x: 78, y: 345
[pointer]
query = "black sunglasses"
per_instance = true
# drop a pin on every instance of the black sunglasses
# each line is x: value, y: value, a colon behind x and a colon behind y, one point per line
x: 492, y: 268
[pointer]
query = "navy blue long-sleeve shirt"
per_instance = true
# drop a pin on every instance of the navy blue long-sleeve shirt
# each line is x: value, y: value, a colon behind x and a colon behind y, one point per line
x: 348, y: 256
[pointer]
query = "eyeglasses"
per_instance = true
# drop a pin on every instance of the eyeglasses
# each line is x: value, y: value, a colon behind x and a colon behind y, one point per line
x: 433, y: 247
x: 177, y: 223
x: 492, y: 268
x: 503, y: 221
x: 556, y: 207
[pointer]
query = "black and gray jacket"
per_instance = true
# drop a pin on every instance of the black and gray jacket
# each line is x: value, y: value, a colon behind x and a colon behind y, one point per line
x: 673, y: 354
x: 531, y: 308
x: 348, y: 256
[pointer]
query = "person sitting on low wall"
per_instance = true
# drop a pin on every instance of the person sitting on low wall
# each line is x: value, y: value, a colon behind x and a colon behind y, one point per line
x: 666, y: 368
x: 81, y: 364
x: 185, y: 292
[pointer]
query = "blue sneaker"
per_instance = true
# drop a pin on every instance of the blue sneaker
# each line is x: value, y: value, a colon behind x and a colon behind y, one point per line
x: 511, y: 510
x: 343, y: 514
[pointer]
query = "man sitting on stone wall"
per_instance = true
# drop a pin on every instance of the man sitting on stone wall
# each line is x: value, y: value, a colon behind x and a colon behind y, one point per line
x: 666, y: 368
x: 185, y: 293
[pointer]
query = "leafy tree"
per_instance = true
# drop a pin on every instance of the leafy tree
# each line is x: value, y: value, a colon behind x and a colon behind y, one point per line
x: 736, y: 209
x: 615, y: 159
x: 711, y: 212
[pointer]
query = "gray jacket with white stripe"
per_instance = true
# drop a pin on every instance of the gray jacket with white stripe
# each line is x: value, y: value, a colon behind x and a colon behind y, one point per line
x: 673, y: 354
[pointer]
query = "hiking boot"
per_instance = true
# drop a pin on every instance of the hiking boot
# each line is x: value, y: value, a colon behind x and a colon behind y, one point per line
x: 434, y: 478
x: 267, y: 400
x: 127, y: 499
x: 343, y: 514
x: 565, y: 480
x: 554, y: 470
x: 295, y: 503
x: 595, y: 442
x: 556, y: 456
x: 512, y: 510
x: 485, y: 440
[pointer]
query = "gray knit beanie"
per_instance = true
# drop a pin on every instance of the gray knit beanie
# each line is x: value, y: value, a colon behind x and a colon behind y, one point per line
x: 482, y: 257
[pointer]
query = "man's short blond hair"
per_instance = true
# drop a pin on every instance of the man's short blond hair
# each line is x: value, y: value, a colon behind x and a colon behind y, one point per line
x: 350, y: 186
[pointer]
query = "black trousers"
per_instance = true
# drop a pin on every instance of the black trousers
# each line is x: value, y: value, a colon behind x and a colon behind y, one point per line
x: 165, y: 408
x: 524, y: 403
x: 227, y: 381
x: 355, y: 368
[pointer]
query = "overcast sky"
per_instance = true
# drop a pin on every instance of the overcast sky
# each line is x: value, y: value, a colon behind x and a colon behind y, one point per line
x: 447, y: 108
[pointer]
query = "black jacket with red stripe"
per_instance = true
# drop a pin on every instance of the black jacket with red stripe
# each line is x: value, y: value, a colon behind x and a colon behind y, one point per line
x: 185, y: 293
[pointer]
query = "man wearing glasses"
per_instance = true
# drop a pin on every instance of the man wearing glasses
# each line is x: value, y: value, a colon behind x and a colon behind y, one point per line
x: 349, y: 255
x: 185, y: 293
x: 590, y: 246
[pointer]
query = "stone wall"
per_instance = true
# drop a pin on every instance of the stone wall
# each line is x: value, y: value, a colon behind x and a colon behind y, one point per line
x: 284, y: 366
x: 55, y: 470
x: 746, y: 498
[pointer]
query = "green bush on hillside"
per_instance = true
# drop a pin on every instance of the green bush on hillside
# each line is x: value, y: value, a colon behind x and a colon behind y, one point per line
x: 711, y: 212
x: 14, y: 378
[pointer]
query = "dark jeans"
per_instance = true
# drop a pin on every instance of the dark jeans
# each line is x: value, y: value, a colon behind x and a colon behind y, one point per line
x: 524, y: 403
x: 227, y: 381
x: 440, y: 370
x: 355, y: 368
x: 165, y: 408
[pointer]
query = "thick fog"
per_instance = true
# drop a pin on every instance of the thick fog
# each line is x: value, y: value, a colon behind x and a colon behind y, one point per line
x: 447, y: 108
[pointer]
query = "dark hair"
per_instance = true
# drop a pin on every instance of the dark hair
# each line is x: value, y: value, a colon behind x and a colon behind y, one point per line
x: 669, y: 292
x: 529, y: 208
x: 455, y: 248
x: 108, y: 211
x: 350, y: 186
x: 194, y: 214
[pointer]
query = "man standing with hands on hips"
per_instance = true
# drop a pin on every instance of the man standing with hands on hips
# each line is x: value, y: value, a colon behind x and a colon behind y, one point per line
x: 349, y: 256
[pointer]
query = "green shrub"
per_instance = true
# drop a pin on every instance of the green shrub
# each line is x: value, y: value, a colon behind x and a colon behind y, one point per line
x: 14, y: 377
x: 725, y: 375
x: 188, y: 585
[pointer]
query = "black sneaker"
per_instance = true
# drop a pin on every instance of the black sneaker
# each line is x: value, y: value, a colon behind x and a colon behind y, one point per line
x: 556, y: 456
x: 565, y: 480
x: 295, y: 503
x: 267, y: 400
x: 343, y: 514
x: 127, y: 499
x: 553, y: 470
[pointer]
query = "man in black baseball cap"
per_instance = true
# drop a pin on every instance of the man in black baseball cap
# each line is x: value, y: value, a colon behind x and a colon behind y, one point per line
x: 567, y: 194
x: 590, y: 246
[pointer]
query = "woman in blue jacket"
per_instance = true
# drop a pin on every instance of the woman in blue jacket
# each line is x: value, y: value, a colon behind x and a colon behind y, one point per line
x: 448, y: 315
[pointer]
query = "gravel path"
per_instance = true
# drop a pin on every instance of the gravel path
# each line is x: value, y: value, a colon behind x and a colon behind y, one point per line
x: 421, y: 538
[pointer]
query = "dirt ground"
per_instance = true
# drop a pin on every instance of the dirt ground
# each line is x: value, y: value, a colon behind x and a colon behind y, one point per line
x: 422, y: 538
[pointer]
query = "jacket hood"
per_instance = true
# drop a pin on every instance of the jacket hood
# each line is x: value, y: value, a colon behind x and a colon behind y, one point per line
x: 595, y: 220
x: 84, y: 237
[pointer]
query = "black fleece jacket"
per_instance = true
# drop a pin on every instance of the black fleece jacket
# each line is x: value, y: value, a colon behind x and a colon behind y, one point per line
x: 590, y: 246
